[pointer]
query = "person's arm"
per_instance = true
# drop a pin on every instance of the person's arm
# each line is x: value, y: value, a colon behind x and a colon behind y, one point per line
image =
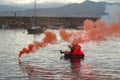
x: 64, y: 52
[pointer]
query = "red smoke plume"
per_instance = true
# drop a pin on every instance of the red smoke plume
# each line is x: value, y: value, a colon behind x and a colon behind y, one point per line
x: 65, y: 35
x: 49, y: 38
x: 93, y: 31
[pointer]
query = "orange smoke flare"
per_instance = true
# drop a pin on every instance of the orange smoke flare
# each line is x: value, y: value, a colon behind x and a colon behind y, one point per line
x: 95, y: 31
x: 65, y: 35
x: 74, y: 37
x: 49, y: 38
x: 99, y: 30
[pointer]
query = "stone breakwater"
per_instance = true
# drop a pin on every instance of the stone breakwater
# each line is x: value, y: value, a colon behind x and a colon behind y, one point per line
x: 52, y: 22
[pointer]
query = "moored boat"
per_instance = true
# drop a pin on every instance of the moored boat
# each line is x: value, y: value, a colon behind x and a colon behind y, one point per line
x: 35, y: 30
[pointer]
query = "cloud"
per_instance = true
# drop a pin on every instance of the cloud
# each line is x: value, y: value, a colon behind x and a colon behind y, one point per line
x: 40, y: 1
x: 5, y: 1
x: 112, y: 1
x: 49, y: 1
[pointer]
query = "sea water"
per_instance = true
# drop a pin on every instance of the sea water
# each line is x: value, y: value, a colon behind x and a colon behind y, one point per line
x: 101, y: 59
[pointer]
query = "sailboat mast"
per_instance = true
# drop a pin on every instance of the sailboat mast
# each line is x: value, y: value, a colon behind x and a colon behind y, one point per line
x: 35, y: 12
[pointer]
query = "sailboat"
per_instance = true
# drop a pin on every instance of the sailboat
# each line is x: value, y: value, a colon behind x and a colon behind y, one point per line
x: 35, y: 29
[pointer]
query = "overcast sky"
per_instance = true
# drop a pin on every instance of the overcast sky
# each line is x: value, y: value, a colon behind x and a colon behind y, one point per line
x: 49, y: 1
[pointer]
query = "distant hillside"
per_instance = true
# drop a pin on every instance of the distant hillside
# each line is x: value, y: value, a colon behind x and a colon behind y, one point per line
x: 85, y: 9
x: 10, y: 8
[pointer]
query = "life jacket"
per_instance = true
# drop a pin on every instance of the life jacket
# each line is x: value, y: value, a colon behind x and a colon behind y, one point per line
x: 77, y: 50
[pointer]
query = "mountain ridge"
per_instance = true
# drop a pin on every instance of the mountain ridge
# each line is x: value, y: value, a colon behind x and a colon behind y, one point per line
x: 85, y: 9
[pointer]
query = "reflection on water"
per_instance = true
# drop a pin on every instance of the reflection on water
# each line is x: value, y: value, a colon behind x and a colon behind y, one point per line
x: 37, y: 72
x: 77, y: 71
x: 101, y: 60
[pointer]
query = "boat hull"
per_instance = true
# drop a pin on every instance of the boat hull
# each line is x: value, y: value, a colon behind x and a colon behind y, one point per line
x: 35, y: 31
x: 70, y: 56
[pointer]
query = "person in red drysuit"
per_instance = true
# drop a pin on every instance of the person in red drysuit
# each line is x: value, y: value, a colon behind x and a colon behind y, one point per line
x: 75, y: 50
